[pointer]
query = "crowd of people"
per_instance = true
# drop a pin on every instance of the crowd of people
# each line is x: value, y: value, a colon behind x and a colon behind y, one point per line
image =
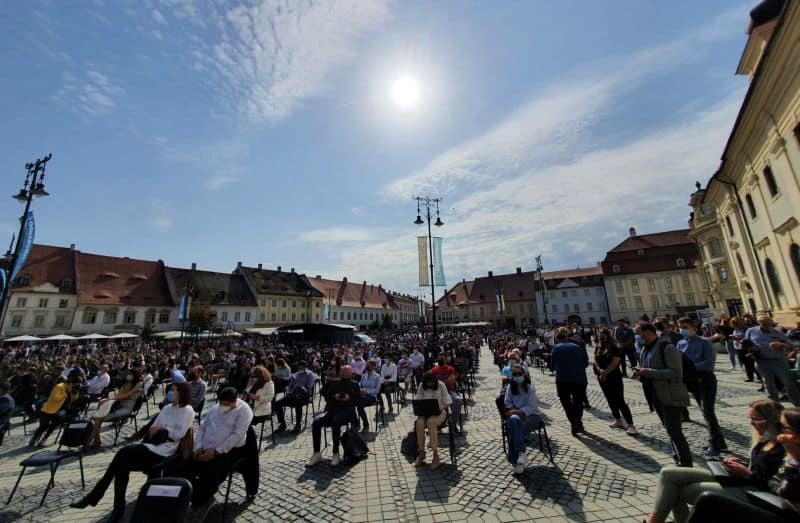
x: 253, y: 379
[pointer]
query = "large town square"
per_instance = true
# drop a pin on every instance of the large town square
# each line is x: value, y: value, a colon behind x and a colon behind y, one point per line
x: 362, y: 261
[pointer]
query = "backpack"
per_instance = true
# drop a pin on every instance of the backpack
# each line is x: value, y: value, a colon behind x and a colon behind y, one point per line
x: 409, y: 446
x: 354, y: 447
x: 690, y: 376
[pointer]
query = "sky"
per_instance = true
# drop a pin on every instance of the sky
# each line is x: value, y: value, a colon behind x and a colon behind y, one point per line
x: 296, y: 133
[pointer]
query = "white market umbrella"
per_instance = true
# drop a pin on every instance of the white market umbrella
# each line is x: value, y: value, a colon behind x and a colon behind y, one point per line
x: 23, y: 338
x: 61, y: 337
x: 93, y: 336
x: 123, y: 335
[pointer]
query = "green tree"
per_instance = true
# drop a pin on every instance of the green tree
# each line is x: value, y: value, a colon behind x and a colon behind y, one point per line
x: 146, y: 331
x: 201, y: 318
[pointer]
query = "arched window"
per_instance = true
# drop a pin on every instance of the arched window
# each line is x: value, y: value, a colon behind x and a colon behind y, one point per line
x: 715, y: 247
x: 770, y: 179
x: 794, y: 254
x: 729, y: 224
x: 750, y: 206
x: 772, y: 276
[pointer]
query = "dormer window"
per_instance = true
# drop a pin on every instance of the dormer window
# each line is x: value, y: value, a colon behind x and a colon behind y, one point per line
x: 110, y: 274
x: 680, y: 262
x: 640, y: 252
x: 66, y: 283
x: 615, y: 268
x: 25, y: 280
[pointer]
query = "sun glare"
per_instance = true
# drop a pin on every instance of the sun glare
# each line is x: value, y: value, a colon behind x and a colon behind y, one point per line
x: 404, y: 92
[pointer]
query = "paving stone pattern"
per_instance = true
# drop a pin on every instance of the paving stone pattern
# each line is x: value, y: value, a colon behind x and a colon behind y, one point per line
x: 603, y: 476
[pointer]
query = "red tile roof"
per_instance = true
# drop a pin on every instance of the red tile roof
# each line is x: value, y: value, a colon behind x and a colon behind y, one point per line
x: 108, y: 280
x: 658, y: 239
x: 349, y: 294
x: 664, y: 251
x: 514, y: 286
x: 48, y: 264
x: 457, y: 296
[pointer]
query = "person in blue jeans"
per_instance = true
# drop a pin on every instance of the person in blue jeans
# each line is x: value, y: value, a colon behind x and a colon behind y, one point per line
x: 522, y: 414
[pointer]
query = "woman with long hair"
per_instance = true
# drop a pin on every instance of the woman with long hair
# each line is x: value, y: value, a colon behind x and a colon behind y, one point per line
x: 259, y: 393
x: 607, y: 357
x: 681, y: 486
x: 120, y: 406
x: 522, y: 416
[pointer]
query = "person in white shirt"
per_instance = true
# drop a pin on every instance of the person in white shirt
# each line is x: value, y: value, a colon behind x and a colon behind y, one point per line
x: 431, y: 388
x: 165, y: 435
x: 95, y: 386
x: 388, y: 382
x: 217, y: 443
x: 417, y: 361
x: 260, y: 392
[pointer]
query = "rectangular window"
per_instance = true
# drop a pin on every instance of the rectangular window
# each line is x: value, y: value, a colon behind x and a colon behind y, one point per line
x: 294, y: 304
x: 348, y: 314
x: 130, y: 317
x: 587, y: 292
x: 574, y: 292
x: 532, y: 308
x: 42, y: 303
x: 294, y: 316
x: 481, y: 312
x: 651, y: 284
x: 262, y: 317
x: 38, y: 321
x: 284, y: 303
x: 163, y: 317
x: 21, y: 302
x: 247, y: 317
x: 687, y: 284
x: 150, y: 317
x: 237, y: 316
x: 302, y: 316
x: 334, y: 315
x: 575, y: 307
x: 619, y: 287
x: 588, y: 306
x: 723, y: 273
x: 563, y: 294
x: 621, y: 304
x: 283, y: 316
x: 274, y: 303
x: 668, y: 282
x: 89, y: 317
x: 654, y: 302
x: 637, y: 302
x: 522, y: 308
x: 635, y: 285
x: 263, y: 302
x: 566, y: 307
x: 554, y: 308
x: 224, y: 316
x: 274, y: 318
x: 552, y: 294
x: 109, y: 317
x: 60, y: 321
x: 688, y: 299
x: 16, y: 321
x: 62, y: 304
x: 769, y: 178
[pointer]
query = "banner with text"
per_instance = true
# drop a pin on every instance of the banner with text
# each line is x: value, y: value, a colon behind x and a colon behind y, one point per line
x: 424, y: 262
x: 28, y: 232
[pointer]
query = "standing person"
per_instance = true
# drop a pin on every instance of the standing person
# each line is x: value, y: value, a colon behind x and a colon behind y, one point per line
x: 625, y: 339
x: 570, y: 362
x: 771, y: 346
x: 607, y: 357
x: 746, y: 360
x: 661, y: 372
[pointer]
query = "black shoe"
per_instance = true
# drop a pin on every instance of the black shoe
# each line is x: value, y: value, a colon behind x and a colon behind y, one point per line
x: 297, y: 429
x: 85, y: 502
x: 250, y: 498
x: 116, y: 516
x: 711, y: 450
x: 281, y: 428
x: 749, y: 380
x: 760, y: 389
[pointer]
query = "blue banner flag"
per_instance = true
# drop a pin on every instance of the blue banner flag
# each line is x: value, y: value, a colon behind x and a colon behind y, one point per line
x: 438, y: 267
x: 28, y: 233
x: 424, y: 262
x: 182, y: 308
x: 326, y: 311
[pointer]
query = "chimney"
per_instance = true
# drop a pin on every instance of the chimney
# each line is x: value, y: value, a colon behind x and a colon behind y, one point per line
x: 491, y: 274
x: 344, y: 280
x: 72, y: 246
x: 632, y: 231
x: 318, y: 277
x: 194, y: 267
x: 291, y: 270
x: 238, y: 265
x: 259, y: 266
x: 519, y: 270
x: 279, y: 268
x: 463, y: 280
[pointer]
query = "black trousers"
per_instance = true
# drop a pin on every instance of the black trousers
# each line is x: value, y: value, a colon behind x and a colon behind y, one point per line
x: 713, y: 506
x: 335, y: 421
x: 289, y: 402
x: 614, y: 391
x: 630, y: 352
x: 128, y: 459
x: 671, y: 418
x: 386, y: 390
x: 749, y: 365
x: 708, y: 398
x: 571, y: 395
x: 366, y: 401
x: 47, y: 424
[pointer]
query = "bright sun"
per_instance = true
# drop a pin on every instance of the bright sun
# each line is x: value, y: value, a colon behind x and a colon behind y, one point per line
x: 404, y: 92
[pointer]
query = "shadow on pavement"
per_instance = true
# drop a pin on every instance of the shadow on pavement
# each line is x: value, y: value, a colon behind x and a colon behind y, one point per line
x: 631, y: 459
x: 547, y: 482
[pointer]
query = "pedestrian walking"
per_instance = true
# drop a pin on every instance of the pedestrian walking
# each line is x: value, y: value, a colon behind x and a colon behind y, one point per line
x: 570, y: 362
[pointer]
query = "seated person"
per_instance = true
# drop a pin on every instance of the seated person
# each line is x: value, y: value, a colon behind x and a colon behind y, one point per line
x: 219, y: 441
x: 370, y: 386
x: 341, y: 397
x: 198, y: 387
x: 447, y: 375
x: 679, y: 486
x: 431, y: 388
x: 388, y: 381
x: 259, y: 392
x: 55, y: 410
x: 120, y: 406
x: 358, y: 365
x: 298, y: 394
x: 95, y: 386
x: 165, y: 435
x: 523, y: 416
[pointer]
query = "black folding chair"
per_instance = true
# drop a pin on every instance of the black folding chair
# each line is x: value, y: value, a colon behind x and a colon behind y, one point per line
x: 134, y: 414
x: 451, y: 436
x: 74, y: 437
x: 163, y: 500
x: 249, y: 458
x: 263, y: 422
x: 541, y: 430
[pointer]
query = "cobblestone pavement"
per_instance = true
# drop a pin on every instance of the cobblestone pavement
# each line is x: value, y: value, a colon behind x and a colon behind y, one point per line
x: 603, y: 476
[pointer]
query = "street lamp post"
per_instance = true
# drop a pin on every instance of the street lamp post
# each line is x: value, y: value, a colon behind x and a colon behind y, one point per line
x: 542, y: 286
x: 33, y: 186
x: 429, y: 202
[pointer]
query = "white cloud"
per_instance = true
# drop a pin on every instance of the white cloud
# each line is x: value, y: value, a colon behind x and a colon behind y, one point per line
x: 269, y: 57
x: 158, y: 17
x: 337, y: 235
x: 217, y: 164
x: 93, y: 93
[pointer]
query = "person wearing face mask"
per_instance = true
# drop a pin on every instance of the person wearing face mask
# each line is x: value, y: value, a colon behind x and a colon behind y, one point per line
x: 120, y: 406
x: 771, y: 347
x: 679, y: 487
x: 446, y: 373
x: 417, y: 361
x: 219, y: 441
x: 625, y: 340
x: 606, y: 366
x: 358, y: 365
x: 701, y: 353
x: 522, y: 415
x: 661, y: 372
x: 370, y: 385
x: 431, y: 388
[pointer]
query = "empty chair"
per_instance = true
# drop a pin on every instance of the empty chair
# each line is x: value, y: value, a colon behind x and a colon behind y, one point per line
x: 163, y: 500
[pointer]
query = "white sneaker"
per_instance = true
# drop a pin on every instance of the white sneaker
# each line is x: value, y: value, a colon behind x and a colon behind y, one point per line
x: 315, y: 458
x: 522, y: 460
x: 518, y: 469
x: 632, y: 430
x: 335, y: 460
x: 618, y: 424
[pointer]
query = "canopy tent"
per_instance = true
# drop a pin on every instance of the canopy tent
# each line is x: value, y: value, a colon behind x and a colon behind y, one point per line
x: 167, y: 335
x: 22, y: 338
x: 61, y: 337
x: 467, y: 324
x: 123, y: 335
x: 262, y: 331
x: 93, y: 336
